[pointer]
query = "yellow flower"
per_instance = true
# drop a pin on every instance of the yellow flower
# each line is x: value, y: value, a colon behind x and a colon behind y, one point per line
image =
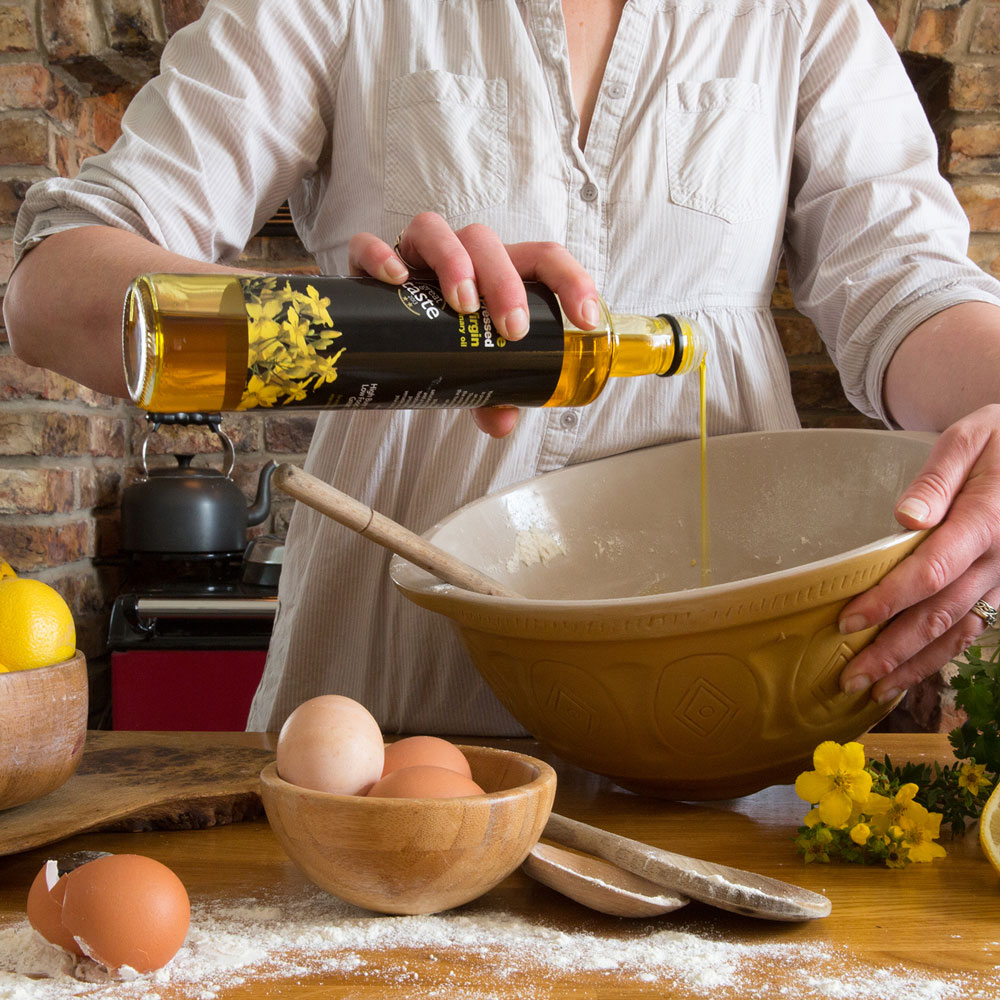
x: 922, y: 829
x: 896, y: 812
x: 837, y: 783
x: 860, y: 833
x: 973, y: 778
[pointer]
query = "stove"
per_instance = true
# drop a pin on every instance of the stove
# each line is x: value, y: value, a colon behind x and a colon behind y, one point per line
x: 188, y: 639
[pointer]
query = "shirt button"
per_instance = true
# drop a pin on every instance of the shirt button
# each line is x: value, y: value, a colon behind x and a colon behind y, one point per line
x: 568, y: 419
x: 589, y: 192
x: 617, y: 90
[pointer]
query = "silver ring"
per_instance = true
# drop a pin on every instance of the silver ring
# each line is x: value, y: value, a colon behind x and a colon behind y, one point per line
x: 987, y: 612
x: 396, y: 251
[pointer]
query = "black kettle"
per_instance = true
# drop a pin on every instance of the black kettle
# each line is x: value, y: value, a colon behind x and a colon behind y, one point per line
x: 185, y: 510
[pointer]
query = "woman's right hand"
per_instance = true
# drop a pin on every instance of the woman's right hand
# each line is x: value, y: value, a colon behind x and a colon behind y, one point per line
x: 473, y: 263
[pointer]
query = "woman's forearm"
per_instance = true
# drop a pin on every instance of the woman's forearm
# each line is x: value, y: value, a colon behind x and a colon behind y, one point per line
x: 63, y: 305
x: 947, y: 367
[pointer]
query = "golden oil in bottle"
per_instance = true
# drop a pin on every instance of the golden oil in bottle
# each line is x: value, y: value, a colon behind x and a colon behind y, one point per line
x: 210, y: 342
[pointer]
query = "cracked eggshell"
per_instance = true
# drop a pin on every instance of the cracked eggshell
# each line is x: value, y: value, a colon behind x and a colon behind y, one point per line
x: 45, y: 907
x: 126, y: 910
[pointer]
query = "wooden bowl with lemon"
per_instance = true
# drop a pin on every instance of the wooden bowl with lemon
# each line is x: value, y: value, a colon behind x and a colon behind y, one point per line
x: 43, y: 691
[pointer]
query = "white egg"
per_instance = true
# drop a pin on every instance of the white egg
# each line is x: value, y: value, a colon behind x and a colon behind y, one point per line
x: 332, y: 744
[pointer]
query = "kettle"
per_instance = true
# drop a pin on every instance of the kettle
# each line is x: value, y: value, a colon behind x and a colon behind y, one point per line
x: 198, y: 511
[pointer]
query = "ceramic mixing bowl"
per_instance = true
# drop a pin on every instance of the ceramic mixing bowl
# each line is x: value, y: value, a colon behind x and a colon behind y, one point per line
x: 43, y: 726
x: 412, y: 856
x: 621, y: 661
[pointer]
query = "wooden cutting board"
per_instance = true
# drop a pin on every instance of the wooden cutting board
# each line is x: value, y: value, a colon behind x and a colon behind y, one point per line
x: 146, y: 781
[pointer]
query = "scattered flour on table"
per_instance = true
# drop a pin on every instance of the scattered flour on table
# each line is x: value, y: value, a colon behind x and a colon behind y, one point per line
x: 485, y: 954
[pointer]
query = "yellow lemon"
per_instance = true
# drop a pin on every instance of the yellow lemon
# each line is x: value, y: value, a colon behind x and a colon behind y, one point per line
x: 36, y: 625
x: 989, y: 828
x: 6, y: 569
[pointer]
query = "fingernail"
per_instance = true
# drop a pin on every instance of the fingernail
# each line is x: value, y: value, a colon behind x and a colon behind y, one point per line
x: 913, y: 507
x: 857, y: 684
x: 395, y: 269
x: 591, y: 312
x: 852, y: 623
x: 884, y: 697
x: 516, y: 323
x: 468, y: 297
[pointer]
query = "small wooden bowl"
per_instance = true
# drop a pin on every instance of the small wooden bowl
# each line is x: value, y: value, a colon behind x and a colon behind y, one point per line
x: 415, y: 855
x: 43, y: 726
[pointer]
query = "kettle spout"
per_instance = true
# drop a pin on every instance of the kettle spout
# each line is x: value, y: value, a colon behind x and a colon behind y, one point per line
x: 262, y: 502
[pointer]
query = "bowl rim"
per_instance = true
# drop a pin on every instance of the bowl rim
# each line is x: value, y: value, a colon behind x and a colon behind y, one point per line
x: 546, y: 775
x: 426, y: 590
x: 76, y: 659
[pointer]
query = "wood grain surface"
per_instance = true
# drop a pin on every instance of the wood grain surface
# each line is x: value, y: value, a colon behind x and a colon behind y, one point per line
x: 146, y: 781
x: 925, y: 932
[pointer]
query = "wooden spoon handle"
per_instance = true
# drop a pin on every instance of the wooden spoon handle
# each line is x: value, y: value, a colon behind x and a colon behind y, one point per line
x: 368, y: 522
x: 718, y: 885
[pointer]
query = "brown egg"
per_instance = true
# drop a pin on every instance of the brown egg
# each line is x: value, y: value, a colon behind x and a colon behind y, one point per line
x: 332, y: 744
x: 424, y: 781
x: 126, y: 910
x: 45, y: 906
x: 430, y: 750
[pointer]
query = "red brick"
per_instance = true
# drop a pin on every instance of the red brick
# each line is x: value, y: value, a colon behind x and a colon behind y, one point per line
x: 984, y: 249
x: 101, y: 486
x: 11, y: 197
x: 16, y: 31
x: 71, y: 29
x: 106, y: 436
x: 32, y: 547
x: 107, y: 127
x: 177, y: 13
x: 25, y: 85
x: 37, y: 490
x: 798, y: 335
x: 6, y: 261
x: 131, y: 27
x: 18, y: 380
x: 23, y: 142
x: 936, y: 30
x: 289, y: 435
x: 981, y: 201
x: 888, y: 13
x: 975, y: 87
x: 986, y: 31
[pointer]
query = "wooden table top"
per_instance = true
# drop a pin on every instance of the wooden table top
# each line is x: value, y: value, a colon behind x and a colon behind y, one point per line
x: 925, y: 932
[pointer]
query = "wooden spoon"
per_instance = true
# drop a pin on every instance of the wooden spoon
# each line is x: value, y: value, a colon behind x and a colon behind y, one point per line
x: 718, y: 885
x: 368, y: 522
x: 599, y: 885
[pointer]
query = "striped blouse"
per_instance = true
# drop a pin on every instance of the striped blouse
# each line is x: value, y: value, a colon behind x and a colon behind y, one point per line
x: 726, y: 134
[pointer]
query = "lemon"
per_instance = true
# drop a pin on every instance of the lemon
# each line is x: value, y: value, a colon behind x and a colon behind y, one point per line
x: 6, y: 569
x: 36, y: 625
x: 989, y: 828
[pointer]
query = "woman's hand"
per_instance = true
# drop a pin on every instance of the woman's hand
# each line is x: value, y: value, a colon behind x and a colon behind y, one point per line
x: 927, y: 599
x: 473, y: 263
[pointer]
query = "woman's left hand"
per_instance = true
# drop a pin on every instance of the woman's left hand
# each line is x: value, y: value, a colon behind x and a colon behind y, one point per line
x: 927, y: 600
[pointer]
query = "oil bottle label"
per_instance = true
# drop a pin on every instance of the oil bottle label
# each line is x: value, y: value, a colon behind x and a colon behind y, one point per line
x: 360, y: 343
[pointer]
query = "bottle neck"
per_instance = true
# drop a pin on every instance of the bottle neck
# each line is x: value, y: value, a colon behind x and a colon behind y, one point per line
x: 655, y: 345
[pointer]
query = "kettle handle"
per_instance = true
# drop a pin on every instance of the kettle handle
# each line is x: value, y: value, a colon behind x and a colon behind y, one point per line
x: 213, y: 420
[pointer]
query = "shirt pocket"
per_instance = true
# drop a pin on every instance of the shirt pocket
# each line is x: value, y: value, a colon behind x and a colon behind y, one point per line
x: 718, y: 158
x: 446, y: 143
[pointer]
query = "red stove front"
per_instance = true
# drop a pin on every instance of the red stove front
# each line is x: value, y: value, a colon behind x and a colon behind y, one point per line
x: 188, y: 654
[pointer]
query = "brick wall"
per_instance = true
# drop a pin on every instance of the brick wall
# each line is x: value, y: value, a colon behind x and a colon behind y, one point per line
x: 68, y: 68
